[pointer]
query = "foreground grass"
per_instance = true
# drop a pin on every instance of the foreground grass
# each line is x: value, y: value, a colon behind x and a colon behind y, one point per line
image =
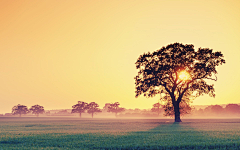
x: 62, y: 133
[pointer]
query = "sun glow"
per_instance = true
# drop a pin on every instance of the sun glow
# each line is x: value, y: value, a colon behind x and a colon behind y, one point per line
x: 184, y: 75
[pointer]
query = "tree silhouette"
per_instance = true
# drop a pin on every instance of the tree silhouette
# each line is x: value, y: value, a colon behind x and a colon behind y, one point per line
x: 184, y: 105
x: 114, y: 107
x: 177, y: 71
x: 80, y: 108
x: 217, y: 109
x: 208, y: 109
x: 93, y: 108
x: 19, y: 109
x: 37, y: 109
x: 232, y: 108
x: 156, y: 108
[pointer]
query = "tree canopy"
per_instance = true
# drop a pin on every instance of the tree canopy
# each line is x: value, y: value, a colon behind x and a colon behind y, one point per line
x: 19, y: 110
x: 93, y: 108
x: 37, y: 109
x: 177, y: 71
x: 233, y: 108
x: 114, y: 107
x: 80, y: 108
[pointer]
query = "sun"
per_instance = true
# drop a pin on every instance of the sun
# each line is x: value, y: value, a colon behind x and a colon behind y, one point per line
x: 184, y: 75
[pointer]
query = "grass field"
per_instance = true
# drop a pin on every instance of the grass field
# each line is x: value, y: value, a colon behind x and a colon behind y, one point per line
x: 73, y: 133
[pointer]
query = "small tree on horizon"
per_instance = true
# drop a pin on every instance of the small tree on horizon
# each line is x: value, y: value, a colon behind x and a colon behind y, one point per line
x: 37, y: 109
x: 93, y: 108
x: 232, y: 109
x: 80, y: 108
x: 157, y: 108
x: 114, y: 108
x: 19, y: 110
x: 217, y: 110
x: 177, y: 71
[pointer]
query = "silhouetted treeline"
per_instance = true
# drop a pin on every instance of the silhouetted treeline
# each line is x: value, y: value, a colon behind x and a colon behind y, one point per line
x: 22, y: 109
x: 79, y: 108
x: 113, y: 110
x: 230, y: 110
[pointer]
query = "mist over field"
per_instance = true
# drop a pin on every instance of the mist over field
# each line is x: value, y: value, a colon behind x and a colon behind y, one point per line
x: 86, y: 133
x: 206, y: 127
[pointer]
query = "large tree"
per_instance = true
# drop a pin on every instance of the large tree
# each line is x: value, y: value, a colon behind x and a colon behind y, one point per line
x: 80, y: 108
x: 93, y: 108
x: 19, y: 110
x: 37, y: 109
x: 114, y: 108
x: 177, y: 71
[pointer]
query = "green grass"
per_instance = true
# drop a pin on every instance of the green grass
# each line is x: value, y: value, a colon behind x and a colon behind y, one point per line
x: 70, y: 133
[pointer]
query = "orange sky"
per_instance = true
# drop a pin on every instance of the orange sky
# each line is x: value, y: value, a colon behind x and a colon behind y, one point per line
x: 55, y: 53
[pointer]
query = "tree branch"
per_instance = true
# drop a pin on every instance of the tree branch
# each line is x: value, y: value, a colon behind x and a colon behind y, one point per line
x: 204, y: 77
x: 212, y: 78
x: 181, y: 95
x: 171, y: 79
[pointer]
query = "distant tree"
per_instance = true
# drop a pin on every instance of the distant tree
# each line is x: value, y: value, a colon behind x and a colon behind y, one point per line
x: 137, y: 110
x: 178, y: 71
x: 93, y: 108
x: 63, y: 112
x: 47, y: 112
x: 208, y: 110
x: 80, y: 108
x: 19, y: 110
x: 200, y: 112
x: 217, y: 110
x: 232, y: 108
x: 37, y: 109
x: 114, y: 108
x: 105, y: 108
x: 157, y: 107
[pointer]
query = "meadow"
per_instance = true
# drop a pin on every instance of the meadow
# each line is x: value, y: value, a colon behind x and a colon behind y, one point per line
x: 75, y: 133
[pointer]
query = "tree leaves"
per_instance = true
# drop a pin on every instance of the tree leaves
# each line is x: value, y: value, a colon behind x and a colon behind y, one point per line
x: 20, y: 109
x: 80, y: 107
x: 158, y: 71
x: 93, y: 108
x: 114, y: 107
x: 37, y: 109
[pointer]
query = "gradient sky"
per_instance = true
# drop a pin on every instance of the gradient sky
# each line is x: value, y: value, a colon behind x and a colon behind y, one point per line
x: 57, y: 52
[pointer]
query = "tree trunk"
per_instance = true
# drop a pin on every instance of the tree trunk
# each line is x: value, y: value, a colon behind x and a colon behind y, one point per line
x: 177, y: 112
x: 37, y: 115
x: 92, y: 115
x: 80, y: 114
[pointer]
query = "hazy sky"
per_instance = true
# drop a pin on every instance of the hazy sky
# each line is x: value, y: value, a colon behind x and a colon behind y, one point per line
x: 57, y: 52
